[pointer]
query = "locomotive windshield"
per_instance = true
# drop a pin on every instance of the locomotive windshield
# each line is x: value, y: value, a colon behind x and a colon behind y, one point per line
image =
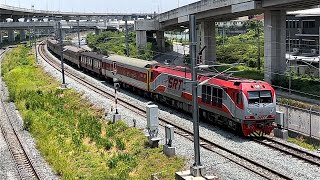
x: 260, y: 97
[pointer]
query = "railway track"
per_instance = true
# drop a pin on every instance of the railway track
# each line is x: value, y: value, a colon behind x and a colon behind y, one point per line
x: 21, y: 159
x: 290, y: 150
x: 234, y: 157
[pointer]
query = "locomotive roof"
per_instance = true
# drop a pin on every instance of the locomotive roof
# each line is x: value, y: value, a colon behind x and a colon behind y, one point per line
x: 222, y: 80
x: 74, y: 49
x: 94, y: 55
x: 131, y: 61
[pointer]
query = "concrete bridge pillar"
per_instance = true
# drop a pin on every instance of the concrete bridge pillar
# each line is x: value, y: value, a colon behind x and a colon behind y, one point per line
x: 63, y: 34
x: 161, y: 41
x: 23, y: 35
x: 97, y: 31
x: 141, y: 37
x: 274, y: 43
x: 63, y: 31
x: 1, y: 40
x: 15, y: 18
x: 198, y: 38
x: 11, y: 37
x: 208, y: 38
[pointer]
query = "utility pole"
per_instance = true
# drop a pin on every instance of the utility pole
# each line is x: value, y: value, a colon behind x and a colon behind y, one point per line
x: 197, y: 167
x: 63, y: 85
x: 259, y: 53
x: 78, y: 23
x: 35, y: 43
x: 127, y: 37
x: 289, y: 65
x: 319, y: 52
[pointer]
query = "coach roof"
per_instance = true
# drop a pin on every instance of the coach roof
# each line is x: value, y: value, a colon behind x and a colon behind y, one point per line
x: 94, y: 55
x: 74, y: 49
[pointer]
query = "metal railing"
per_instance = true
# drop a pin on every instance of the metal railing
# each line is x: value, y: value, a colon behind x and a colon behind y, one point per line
x: 303, y: 121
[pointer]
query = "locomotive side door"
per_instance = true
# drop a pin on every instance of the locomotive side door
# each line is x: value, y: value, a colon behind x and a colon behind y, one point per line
x: 114, y: 67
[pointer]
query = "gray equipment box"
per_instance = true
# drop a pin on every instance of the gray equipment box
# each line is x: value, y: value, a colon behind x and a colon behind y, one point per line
x: 169, y: 132
x: 152, y: 116
x: 280, y: 118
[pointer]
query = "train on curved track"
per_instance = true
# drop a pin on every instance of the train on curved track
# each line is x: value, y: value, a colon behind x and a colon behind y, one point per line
x: 244, y: 105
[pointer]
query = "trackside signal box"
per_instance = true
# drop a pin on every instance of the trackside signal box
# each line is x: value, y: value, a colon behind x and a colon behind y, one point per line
x: 152, y: 116
x: 280, y: 119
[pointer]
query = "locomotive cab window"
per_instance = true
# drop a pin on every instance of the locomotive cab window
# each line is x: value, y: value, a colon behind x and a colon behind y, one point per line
x: 265, y: 97
x: 260, y: 97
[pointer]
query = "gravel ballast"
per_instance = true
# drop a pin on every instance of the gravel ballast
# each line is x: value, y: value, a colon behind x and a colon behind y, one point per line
x: 214, y: 164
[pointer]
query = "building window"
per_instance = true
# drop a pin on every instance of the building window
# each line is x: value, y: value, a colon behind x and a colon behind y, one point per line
x: 309, y: 24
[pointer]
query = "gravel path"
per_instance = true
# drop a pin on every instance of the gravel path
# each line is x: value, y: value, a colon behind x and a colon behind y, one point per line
x: 214, y: 163
x: 7, y: 167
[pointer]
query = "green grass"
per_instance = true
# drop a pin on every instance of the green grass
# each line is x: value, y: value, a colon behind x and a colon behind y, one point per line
x: 300, y: 141
x: 244, y: 72
x: 70, y: 132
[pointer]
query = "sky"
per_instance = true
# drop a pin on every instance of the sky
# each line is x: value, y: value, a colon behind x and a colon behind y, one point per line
x: 148, y: 6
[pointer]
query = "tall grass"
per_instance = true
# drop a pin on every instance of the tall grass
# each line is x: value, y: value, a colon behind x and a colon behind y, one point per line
x: 71, y: 133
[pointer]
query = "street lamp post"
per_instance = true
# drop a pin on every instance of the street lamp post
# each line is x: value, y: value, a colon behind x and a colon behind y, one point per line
x: 63, y: 85
x: 35, y: 44
x: 259, y: 53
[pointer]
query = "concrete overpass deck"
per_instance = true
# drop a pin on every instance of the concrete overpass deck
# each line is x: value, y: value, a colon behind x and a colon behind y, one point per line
x: 65, y: 25
x: 16, y: 11
x: 224, y: 10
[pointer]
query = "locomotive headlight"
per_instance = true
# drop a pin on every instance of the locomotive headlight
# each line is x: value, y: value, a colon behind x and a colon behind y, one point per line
x: 249, y: 111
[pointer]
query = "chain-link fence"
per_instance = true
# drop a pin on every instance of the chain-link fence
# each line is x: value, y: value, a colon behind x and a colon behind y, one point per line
x: 303, y: 121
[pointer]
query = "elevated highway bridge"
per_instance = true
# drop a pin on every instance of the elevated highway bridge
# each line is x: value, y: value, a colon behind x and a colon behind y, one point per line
x: 208, y: 12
